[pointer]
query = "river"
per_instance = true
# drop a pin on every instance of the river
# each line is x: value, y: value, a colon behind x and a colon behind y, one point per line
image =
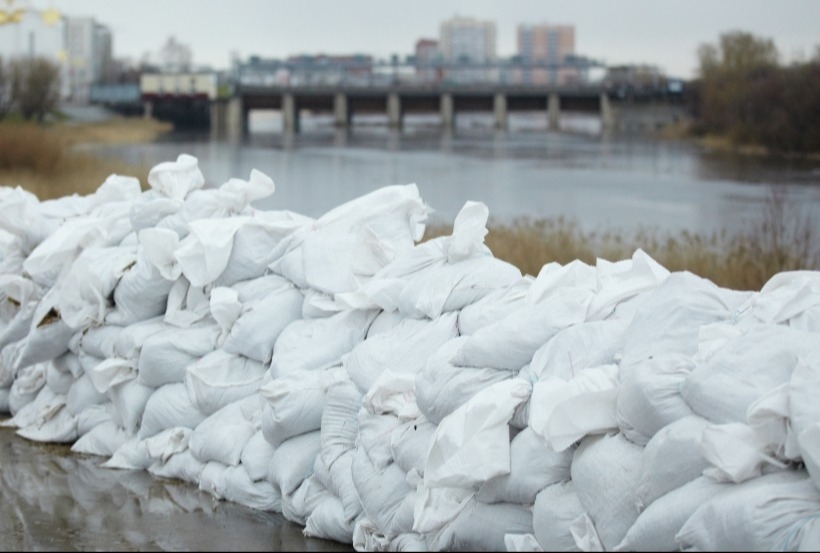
x: 600, y: 181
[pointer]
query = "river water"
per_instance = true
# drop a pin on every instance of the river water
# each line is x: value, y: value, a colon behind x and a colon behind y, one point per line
x: 598, y: 180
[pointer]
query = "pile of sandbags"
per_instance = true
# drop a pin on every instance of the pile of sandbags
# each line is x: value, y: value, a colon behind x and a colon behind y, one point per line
x: 406, y: 395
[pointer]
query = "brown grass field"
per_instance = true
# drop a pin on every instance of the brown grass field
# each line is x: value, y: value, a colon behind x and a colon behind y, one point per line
x: 49, y: 161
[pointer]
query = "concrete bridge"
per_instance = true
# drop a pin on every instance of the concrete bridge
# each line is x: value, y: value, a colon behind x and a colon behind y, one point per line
x: 229, y: 117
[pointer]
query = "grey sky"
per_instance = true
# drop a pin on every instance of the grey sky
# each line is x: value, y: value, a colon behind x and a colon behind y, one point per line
x: 617, y: 31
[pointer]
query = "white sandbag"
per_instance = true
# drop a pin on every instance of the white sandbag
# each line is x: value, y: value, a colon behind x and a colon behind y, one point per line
x: 404, y: 349
x: 19, y: 325
x: 310, y: 344
x: 93, y: 416
x: 256, y: 455
x: 617, y: 282
x: 578, y: 347
x: 554, y: 509
x: 40, y: 406
x: 57, y: 426
x: 511, y: 342
x: 204, y: 253
x: 803, y: 390
x: 736, y: 452
x: 130, y: 339
x: 4, y: 400
x: 232, y: 483
x: 809, y: 443
x: 521, y: 543
x: 223, y: 435
x: 82, y: 395
x: 22, y: 216
x: 472, y: 444
x: 254, y: 243
x: 220, y: 378
x: 340, y: 423
x: 99, y: 341
x: 554, y: 278
x: 649, y: 396
x: 168, y: 407
x: 410, y: 442
x: 493, y: 306
x: 255, y: 288
x: 293, y: 460
x: 671, y: 459
x: 141, y: 294
x: 225, y: 309
x: 296, y: 507
x: 30, y: 380
x: 670, y: 318
x: 167, y: 444
x: 384, y: 322
x: 129, y: 400
x: 338, y: 478
x: 393, y: 394
x: 179, y: 466
x: 85, y: 290
x: 48, y: 335
x: 176, y: 179
x: 132, y: 455
x: 319, y: 305
x: 374, y: 438
x: 165, y: 355
x: 59, y: 380
x: 763, y: 514
x: 255, y: 332
x: 368, y: 537
x: 482, y: 527
x: 353, y: 241
x: 785, y: 296
x: 605, y: 472
x: 287, y: 259
x: 112, y: 372
x: 103, y: 440
x: 442, y: 387
x: 451, y: 287
x: 760, y: 359
x: 564, y: 411
x: 656, y: 527
x: 382, y: 494
x: 187, y: 304
x: 533, y: 467
x: 327, y: 521
x: 295, y: 403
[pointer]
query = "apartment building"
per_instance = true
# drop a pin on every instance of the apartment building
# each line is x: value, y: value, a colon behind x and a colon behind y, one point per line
x: 548, y: 46
x: 468, y: 41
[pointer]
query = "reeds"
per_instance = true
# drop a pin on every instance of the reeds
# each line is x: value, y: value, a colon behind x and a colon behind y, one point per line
x: 46, y: 161
x: 782, y: 240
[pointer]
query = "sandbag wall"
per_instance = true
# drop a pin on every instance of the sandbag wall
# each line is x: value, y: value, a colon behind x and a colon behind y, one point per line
x: 400, y: 395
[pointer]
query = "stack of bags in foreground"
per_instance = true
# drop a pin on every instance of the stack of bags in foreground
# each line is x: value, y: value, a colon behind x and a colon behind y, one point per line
x: 406, y: 395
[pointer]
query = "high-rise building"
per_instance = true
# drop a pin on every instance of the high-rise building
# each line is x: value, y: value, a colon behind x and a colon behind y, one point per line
x: 88, y: 52
x: 547, y: 45
x: 465, y: 40
x: 427, y: 53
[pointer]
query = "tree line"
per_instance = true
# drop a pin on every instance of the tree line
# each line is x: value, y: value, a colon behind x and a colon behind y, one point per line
x: 745, y: 94
x: 30, y: 86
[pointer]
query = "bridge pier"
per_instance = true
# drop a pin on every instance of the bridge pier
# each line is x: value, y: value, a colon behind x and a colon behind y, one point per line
x: 554, y: 111
x: 500, y: 110
x: 148, y: 110
x: 448, y: 113
x: 236, y: 119
x: 341, y: 113
x: 393, y: 110
x: 290, y: 113
x: 219, y: 118
x: 607, y: 114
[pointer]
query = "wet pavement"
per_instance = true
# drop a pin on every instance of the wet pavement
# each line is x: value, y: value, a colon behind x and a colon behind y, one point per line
x: 54, y: 500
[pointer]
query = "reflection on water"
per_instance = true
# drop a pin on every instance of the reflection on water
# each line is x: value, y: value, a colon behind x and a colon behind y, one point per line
x: 54, y: 500
x: 600, y: 180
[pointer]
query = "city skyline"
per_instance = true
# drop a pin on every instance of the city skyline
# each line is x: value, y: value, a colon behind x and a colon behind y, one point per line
x: 615, y: 33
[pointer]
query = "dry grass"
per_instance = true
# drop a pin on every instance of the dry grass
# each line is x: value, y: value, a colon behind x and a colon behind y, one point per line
x: 46, y: 160
x: 781, y: 241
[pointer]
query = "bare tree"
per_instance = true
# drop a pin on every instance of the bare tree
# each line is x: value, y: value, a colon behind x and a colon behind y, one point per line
x: 35, y: 86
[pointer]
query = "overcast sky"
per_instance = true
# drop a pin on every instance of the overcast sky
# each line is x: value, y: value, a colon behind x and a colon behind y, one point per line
x: 663, y: 32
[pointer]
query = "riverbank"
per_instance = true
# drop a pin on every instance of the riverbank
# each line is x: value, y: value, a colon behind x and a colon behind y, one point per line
x: 54, y: 160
